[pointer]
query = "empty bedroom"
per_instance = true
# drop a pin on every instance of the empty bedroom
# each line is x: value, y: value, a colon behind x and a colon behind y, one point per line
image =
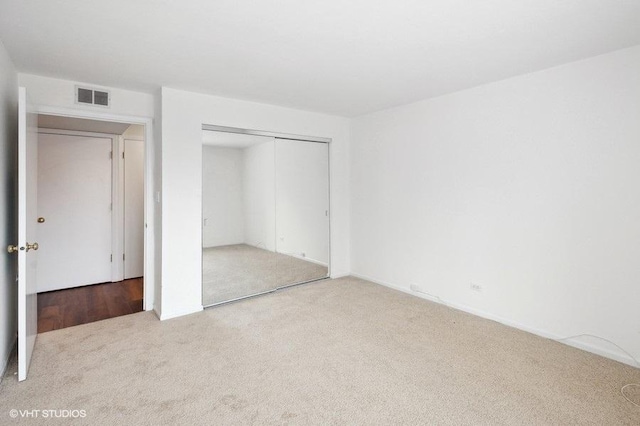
x: 345, y: 212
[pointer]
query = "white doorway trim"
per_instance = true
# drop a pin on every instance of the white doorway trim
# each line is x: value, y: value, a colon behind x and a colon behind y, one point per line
x: 149, y: 178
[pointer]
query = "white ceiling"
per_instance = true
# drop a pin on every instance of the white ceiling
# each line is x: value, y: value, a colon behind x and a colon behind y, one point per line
x: 335, y: 56
x: 81, y: 124
x: 231, y: 140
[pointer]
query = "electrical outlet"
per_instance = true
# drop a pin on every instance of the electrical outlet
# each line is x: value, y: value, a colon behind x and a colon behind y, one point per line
x: 475, y: 287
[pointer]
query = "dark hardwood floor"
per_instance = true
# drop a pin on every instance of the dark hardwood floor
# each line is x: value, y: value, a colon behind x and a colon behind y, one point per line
x: 81, y: 305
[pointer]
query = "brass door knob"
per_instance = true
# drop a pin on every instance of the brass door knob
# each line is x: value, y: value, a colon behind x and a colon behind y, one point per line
x: 41, y: 220
x: 33, y: 246
x: 12, y: 249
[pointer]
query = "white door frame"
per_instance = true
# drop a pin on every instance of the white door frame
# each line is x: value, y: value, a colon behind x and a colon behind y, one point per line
x: 149, y: 175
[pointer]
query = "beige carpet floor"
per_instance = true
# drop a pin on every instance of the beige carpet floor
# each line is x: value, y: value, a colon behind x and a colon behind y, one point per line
x: 341, y: 352
x: 239, y: 270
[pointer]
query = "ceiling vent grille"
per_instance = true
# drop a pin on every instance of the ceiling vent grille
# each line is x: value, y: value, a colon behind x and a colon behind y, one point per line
x: 92, y: 97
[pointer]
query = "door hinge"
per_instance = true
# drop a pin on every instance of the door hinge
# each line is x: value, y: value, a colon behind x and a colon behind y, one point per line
x: 110, y: 155
x: 111, y: 258
x: 123, y: 257
x: 123, y: 154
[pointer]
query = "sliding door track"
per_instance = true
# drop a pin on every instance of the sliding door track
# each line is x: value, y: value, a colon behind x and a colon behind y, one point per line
x: 284, y: 287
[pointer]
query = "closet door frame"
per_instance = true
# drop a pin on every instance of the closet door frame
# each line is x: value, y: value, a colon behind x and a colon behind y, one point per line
x: 268, y: 134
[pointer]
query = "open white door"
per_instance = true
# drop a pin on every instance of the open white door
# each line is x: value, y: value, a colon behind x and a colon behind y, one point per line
x: 27, y: 221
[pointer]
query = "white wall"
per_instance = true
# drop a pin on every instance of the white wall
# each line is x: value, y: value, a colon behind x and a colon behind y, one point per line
x: 222, y: 201
x: 528, y: 187
x: 8, y: 204
x: 133, y: 139
x: 133, y: 146
x: 183, y: 114
x: 302, y: 198
x: 46, y: 91
x: 258, y: 177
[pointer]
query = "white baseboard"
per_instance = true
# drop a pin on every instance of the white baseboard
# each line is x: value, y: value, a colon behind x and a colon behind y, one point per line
x: 224, y: 245
x: 307, y: 259
x: 573, y: 341
x: 165, y: 316
x: 7, y: 360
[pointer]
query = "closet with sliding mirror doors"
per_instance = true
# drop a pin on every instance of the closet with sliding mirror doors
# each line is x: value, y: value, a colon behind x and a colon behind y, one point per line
x: 265, y: 212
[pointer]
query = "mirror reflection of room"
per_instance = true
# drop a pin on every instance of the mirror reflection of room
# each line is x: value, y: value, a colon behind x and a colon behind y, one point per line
x: 265, y: 210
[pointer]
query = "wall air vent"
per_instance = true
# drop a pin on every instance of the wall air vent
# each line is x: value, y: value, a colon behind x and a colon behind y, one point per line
x: 92, y: 97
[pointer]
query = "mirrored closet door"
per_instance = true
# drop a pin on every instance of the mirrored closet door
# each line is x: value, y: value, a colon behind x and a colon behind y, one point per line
x: 265, y: 210
x: 302, y: 211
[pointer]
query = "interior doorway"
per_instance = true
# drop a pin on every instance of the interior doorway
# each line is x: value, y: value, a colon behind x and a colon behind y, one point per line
x: 91, y: 221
